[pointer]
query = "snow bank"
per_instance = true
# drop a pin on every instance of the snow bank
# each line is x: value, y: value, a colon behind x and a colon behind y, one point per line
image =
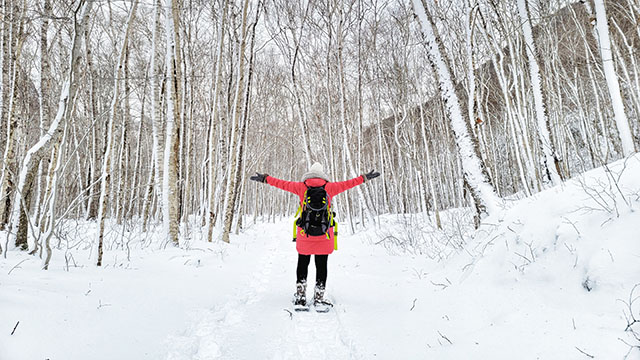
x: 549, y: 278
x: 555, y: 269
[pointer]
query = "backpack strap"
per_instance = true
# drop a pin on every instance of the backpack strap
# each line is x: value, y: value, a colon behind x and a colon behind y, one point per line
x: 298, y: 212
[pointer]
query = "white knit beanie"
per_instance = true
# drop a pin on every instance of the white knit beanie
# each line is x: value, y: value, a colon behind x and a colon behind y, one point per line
x: 316, y: 171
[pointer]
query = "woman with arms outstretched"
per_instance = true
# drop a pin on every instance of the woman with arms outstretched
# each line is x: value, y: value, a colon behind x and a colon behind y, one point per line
x: 314, y: 228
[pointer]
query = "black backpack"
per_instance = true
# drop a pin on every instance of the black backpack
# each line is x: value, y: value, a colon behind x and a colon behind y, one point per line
x: 316, y: 216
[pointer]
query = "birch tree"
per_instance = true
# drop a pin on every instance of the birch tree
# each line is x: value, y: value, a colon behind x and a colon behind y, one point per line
x: 482, y: 190
x: 350, y: 84
x: 170, y: 206
x: 236, y: 118
x: 613, y: 84
x: 214, y: 127
x: 107, y: 166
x: 7, y: 178
x: 41, y: 148
x: 94, y: 174
x: 544, y: 131
x: 157, y: 125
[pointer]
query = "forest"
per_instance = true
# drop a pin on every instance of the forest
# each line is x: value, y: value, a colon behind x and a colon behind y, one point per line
x: 154, y: 113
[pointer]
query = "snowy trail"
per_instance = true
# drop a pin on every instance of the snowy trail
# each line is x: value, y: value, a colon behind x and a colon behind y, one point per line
x: 317, y: 336
x: 551, y: 270
x: 260, y: 313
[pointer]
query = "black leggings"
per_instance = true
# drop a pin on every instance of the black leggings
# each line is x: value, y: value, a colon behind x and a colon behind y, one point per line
x: 321, y: 268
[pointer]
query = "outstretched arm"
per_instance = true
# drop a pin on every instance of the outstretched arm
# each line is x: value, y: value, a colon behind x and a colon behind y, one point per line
x: 290, y: 186
x: 335, y: 188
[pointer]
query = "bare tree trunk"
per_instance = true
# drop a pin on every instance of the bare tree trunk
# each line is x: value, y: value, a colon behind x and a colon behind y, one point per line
x: 172, y: 145
x: 550, y: 163
x: 217, y: 88
x: 434, y: 196
x: 45, y: 89
x: 52, y: 182
x: 136, y: 183
x: 473, y: 167
x: 119, y: 191
x: 53, y: 135
x: 4, y: 88
x: 622, y: 123
x: 348, y: 160
x: 7, y: 177
x: 107, y: 167
x: 245, y: 123
x: 121, y: 194
x: 302, y: 114
x: 236, y: 119
x: 94, y: 174
x: 157, y: 125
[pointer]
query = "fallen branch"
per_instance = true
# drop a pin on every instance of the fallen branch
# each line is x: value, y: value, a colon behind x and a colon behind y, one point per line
x: 444, y: 337
x: 100, y: 304
x: 15, y: 327
x: 16, y: 266
x: 589, y: 355
x: 290, y: 313
x: 442, y: 285
x: 414, y: 304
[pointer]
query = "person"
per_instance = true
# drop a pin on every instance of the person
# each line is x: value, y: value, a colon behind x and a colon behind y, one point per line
x: 306, y: 244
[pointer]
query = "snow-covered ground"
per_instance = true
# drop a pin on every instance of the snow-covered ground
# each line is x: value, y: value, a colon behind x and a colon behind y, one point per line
x: 548, y: 278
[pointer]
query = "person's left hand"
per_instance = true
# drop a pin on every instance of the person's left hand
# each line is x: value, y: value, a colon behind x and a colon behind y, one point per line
x: 371, y: 175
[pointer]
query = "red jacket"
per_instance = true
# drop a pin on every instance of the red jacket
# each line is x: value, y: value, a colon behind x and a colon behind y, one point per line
x: 314, y: 245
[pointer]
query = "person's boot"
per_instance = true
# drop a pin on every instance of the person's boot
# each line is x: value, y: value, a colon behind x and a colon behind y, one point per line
x: 319, y: 302
x: 300, y: 297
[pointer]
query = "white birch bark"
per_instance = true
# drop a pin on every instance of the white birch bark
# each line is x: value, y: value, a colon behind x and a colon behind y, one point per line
x: 92, y: 204
x: 157, y: 124
x: 215, y: 107
x: 613, y: 84
x: 242, y: 144
x: 480, y: 185
x: 119, y: 190
x: 9, y: 159
x: 107, y: 167
x: 236, y: 118
x: 302, y: 114
x: 345, y: 136
x: 136, y: 183
x: 4, y: 23
x: 635, y: 95
x: 44, y: 96
x: 471, y: 77
x: 52, y: 182
x: 434, y: 196
x: 40, y: 149
x: 544, y: 133
x: 170, y: 207
x: 346, y: 158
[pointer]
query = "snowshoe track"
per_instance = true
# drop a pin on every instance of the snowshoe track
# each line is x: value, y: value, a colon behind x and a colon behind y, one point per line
x: 319, y: 336
x: 253, y: 320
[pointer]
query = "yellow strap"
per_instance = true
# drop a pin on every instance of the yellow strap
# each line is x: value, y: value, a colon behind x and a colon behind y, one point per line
x: 335, y: 229
x: 295, y: 232
x: 295, y: 219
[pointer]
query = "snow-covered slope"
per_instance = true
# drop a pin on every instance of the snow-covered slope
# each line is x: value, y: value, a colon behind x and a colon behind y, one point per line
x: 546, y: 278
x: 549, y: 277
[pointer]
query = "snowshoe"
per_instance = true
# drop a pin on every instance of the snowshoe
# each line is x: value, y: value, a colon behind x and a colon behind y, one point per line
x: 300, y: 297
x: 320, y: 304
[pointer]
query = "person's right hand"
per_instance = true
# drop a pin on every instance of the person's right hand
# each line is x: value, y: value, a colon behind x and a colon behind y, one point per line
x: 259, y: 177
